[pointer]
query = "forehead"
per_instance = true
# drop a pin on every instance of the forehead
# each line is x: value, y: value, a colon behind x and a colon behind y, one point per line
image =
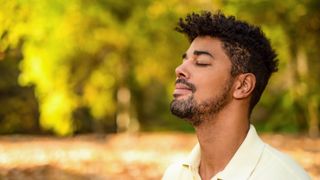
x: 206, y: 43
x: 212, y: 45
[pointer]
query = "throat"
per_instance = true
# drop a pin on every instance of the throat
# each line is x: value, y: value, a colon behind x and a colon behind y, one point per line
x: 218, y: 144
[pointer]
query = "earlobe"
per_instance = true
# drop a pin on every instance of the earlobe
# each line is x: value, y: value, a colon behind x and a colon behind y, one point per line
x: 244, y: 85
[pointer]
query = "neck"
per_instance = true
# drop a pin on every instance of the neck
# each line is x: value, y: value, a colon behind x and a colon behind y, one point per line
x: 219, y: 139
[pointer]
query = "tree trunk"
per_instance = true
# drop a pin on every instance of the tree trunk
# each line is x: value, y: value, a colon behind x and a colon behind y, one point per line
x: 310, y: 102
x: 125, y: 121
x: 313, y: 107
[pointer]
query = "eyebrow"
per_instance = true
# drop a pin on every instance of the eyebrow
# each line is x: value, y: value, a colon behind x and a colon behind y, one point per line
x: 197, y: 53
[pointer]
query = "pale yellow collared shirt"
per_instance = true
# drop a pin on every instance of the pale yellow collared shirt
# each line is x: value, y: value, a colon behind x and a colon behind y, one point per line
x: 254, y: 160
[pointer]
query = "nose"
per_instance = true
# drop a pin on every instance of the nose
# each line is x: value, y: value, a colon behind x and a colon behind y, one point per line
x: 182, y: 71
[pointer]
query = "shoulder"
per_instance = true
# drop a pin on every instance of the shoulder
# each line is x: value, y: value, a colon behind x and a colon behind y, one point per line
x: 277, y: 165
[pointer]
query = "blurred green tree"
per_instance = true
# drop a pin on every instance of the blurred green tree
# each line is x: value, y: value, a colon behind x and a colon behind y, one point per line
x: 107, y: 65
x: 91, y: 61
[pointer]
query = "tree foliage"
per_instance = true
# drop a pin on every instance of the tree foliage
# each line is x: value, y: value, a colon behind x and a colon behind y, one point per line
x: 106, y: 65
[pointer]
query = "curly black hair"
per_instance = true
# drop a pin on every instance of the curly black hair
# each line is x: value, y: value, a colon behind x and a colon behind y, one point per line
x: 246, y: 45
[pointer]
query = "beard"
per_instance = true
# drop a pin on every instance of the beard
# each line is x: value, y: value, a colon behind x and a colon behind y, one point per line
x: 196, y: 113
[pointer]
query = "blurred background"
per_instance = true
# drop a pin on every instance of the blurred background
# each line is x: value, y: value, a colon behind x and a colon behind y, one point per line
x: 104, y: 67
x: 79, y: 66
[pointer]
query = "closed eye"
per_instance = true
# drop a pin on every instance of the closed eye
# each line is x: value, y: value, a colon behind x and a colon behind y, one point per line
x: 202, y: 64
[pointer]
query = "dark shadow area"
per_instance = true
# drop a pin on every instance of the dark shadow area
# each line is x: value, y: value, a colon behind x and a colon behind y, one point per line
x: 19, y: 108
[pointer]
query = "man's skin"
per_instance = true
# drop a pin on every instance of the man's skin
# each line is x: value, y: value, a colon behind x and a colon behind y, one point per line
x: 208, y: 68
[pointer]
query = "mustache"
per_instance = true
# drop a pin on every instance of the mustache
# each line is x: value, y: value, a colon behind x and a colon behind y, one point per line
x: 185, y: 82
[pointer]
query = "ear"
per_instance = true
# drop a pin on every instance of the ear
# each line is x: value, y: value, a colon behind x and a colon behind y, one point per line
x: 244, y: 85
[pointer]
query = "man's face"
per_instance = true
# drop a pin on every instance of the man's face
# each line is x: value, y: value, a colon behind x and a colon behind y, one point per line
x: 203, y: 81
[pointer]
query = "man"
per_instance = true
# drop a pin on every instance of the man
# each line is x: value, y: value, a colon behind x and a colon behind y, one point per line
x: 220, y: 80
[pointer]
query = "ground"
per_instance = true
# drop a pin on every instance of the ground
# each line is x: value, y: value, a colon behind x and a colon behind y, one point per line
x: 121, y: 156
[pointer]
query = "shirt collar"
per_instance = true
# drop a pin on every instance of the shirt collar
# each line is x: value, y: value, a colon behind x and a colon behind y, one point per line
x: 242, y: 163
x: 193, y: 160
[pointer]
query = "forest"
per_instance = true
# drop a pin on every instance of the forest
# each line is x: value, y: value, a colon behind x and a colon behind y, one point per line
x: 105, y: 66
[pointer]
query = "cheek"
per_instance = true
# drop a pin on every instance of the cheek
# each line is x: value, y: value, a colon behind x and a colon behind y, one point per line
x: 206, y: 88
x: 210, y: 86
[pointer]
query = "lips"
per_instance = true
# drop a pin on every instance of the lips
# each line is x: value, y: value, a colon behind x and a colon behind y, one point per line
x: 181, y: 89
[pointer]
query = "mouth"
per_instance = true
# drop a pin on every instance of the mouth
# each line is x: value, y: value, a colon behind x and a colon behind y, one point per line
x: 181, y: 90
